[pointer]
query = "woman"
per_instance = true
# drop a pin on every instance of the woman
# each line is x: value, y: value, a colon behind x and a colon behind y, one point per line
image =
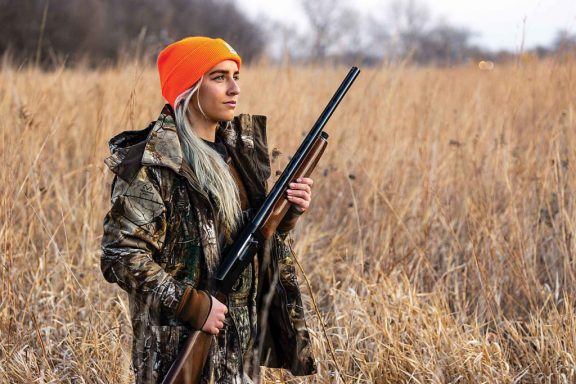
x: 181, y: 191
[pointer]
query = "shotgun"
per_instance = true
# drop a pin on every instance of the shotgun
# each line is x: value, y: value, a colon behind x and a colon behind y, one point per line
x: 187, y: 368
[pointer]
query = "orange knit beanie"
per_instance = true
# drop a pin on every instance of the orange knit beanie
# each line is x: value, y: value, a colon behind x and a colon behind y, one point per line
x: 183, y: 63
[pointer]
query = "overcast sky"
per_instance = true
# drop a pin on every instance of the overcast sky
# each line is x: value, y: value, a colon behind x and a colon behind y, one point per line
x: 500, y: 24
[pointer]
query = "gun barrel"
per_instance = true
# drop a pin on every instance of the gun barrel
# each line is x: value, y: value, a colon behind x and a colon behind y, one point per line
x: 229, y: 269
x: 303, y: 150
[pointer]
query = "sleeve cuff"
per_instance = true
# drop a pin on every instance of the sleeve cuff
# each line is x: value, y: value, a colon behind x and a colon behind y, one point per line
x: 194, y: 307
x: 289, y: 221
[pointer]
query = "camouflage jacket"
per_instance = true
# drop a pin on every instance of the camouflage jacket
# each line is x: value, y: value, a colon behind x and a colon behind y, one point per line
x: 160, y: 238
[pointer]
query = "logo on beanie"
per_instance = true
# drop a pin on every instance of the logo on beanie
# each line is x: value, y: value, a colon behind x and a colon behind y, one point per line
x: 230, y: 48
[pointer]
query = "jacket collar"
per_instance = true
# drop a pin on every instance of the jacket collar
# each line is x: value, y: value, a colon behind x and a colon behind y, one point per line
x: 158, y: 145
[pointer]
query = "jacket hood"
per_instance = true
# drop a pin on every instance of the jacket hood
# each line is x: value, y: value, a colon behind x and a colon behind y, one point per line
x: 157, y: 145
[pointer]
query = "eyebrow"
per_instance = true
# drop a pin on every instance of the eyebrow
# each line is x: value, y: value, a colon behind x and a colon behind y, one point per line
x: 221, y: 71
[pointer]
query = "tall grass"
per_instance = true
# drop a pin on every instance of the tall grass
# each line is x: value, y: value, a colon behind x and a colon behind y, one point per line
x: 439, y: 247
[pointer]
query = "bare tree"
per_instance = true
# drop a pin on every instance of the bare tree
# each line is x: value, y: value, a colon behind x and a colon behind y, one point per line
x: 338, y: 31
x: 352, y: 39
x: 291, y: 45
x: 565, y: 43
x: 323, y: 16
x: 407, y: 20
x: 443, y: 45
x: 407, y: 33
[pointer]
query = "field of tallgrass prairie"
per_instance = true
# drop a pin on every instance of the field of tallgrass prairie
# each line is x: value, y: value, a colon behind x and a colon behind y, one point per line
x: 439, y: 248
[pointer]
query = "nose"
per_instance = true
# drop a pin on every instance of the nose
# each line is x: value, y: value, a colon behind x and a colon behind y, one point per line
x: 234, y: 88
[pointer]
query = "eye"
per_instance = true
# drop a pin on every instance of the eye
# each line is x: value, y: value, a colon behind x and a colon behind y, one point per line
x: 219, y: 77
x: 236, y: 77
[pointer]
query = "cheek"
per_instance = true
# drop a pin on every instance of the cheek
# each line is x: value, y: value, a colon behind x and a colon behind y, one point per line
x: 205, y: 101
x: 209, y: 98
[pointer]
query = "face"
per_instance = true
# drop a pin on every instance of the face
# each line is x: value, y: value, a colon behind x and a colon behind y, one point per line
x: 218, y: 93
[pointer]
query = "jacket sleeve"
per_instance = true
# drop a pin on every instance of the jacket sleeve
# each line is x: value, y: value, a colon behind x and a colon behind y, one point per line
x: 289, y: 221
x: 135, y: 231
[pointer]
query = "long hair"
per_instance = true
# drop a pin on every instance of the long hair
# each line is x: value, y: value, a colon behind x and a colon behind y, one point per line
x: 212, y: 173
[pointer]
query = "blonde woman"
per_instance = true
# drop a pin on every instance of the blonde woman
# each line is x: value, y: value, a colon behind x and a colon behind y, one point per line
x: 182, y: 189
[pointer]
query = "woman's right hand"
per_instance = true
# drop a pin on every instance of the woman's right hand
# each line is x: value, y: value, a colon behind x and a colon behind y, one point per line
x: 215, y: 321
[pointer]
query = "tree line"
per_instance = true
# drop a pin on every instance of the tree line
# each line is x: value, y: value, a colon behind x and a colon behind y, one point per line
x: 398, y: 31
x: 52, y: 32
x: 48, y: 32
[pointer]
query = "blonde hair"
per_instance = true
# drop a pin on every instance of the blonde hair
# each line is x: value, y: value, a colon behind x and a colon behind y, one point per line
x: 212, y: 173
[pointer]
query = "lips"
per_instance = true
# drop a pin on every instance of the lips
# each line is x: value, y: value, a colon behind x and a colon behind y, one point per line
x: 230, y: 103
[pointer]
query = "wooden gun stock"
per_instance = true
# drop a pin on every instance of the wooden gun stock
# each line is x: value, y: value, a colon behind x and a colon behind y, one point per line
x: 305, y: 170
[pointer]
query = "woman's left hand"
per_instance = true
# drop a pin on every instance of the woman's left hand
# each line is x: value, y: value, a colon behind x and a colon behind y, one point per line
x: 300, y: 193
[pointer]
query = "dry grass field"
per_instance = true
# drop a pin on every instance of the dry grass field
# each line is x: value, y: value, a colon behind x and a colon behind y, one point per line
x: 439, y: 249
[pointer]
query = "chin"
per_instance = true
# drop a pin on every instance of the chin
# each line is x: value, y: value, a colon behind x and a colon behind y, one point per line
x: 227, y: 117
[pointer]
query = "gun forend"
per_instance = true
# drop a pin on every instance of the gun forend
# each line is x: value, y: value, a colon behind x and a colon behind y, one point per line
x: 304, y: 170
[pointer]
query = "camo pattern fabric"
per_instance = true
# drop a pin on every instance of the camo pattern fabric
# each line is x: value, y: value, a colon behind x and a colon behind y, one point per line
x: 160, y: 237
x: 232, y: 349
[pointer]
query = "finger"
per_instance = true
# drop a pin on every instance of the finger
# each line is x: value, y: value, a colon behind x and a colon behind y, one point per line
x: 303, y: 194
x: 215, y: 331
x: 219, y: 325
x: 300, y: 203
x: 300, y: 186
x: 298, y: 192
x: 304, y: 187
x: 306, y: 180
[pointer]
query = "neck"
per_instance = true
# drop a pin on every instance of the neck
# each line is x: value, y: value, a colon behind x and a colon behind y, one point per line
x: 203, y: 127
